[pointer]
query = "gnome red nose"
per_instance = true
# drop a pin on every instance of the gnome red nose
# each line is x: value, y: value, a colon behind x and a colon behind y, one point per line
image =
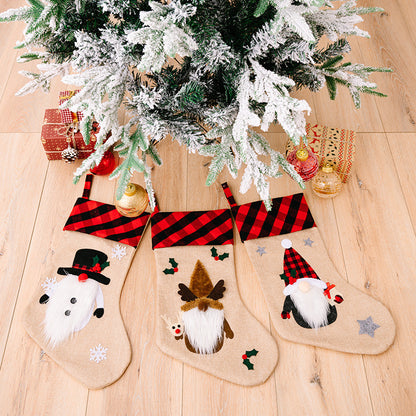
x: 82, y: 277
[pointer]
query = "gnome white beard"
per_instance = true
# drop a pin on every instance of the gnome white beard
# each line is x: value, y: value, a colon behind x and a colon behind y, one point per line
x: 204, y: 329
x: 312, y: 306
x: 58, y: 326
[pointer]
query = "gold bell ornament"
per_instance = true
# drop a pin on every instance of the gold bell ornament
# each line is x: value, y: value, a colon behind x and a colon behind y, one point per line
x: 326, y: 183
x: 133, y: 202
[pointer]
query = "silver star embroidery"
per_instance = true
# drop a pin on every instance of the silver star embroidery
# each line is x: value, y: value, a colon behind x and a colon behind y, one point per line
x: 367, y: 326
x: 261, y: 250
x: 308, y: 242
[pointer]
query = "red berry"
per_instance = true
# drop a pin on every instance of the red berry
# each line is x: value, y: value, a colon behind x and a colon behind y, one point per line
x: 244, y: 357
x: 175, y: 269
x: 216, y: 258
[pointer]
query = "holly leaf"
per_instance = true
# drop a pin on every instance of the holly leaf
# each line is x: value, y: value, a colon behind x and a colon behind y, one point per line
x: 248, y: 364
x: 251, y: 353
x: 223, y: 256
x: 173, y: 262
x: 284, y: 277
x: 168, y: 271
x: 214, y: 252
x: 95, y: 260
x: 104, y: 265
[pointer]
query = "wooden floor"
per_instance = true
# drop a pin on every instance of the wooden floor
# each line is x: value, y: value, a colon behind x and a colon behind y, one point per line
x: 369, y: 230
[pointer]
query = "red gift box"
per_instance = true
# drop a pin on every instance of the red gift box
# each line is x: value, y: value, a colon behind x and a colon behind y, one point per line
x: 67, y: 115
x: 56, y: 136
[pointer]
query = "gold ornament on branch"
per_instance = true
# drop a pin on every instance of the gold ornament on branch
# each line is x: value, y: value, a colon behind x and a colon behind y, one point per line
x: 133, y: 202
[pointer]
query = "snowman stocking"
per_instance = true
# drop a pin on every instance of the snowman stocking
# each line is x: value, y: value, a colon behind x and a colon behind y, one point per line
x: 308, y: 300
x: 201, y: 319
x: 75, y: 315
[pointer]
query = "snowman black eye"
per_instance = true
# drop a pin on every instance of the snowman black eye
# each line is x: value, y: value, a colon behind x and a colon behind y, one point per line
x: 67, y: 312
x: 73, y: 300
x: 173, y: 327
x: 179, y: 326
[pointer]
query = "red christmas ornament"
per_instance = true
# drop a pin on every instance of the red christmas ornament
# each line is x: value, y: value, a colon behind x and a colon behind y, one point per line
x: 304, y: 162
x: 106, y: 166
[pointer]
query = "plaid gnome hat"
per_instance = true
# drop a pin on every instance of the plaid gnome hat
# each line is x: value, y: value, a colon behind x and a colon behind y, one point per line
x: 296, y: 268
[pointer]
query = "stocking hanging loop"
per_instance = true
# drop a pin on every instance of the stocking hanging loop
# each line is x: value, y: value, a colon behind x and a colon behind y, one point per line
x: 228, y: 194
x: 87, y: 186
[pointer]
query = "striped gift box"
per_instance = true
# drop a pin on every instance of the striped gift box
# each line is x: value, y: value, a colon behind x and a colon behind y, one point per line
x: 331, y: 145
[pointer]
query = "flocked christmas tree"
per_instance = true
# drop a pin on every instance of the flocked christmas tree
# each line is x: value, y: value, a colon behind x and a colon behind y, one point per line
x: 204, y: 72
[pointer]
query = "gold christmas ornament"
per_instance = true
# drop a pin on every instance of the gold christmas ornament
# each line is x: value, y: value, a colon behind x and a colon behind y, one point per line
x: 326, y: 183
x: 133, y: 202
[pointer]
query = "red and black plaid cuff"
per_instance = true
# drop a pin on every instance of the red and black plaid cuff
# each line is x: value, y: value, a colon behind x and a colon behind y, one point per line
x: 192, y: 228
x: 103, y: 220
x: 288, y: 215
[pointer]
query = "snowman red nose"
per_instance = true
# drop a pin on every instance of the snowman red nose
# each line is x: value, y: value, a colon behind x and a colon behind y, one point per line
x: 177, y: 330
x: 82, y: 277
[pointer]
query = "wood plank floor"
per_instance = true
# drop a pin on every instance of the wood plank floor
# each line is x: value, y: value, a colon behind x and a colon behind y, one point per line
x: 369, y: 230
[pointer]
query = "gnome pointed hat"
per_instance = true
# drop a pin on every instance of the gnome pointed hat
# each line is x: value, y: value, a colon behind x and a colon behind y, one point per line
x: 294, y: 265
x: 200, y: 284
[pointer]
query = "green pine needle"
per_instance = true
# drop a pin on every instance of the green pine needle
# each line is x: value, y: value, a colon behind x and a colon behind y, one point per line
x: 332, y: 87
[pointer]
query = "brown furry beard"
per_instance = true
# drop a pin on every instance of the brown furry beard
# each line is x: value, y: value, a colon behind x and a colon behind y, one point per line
x: 204, y: 329
x: 312, y: 306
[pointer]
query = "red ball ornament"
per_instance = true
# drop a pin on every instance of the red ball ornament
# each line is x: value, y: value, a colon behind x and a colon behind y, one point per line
x: 106, y: 166
x: 304, y: 162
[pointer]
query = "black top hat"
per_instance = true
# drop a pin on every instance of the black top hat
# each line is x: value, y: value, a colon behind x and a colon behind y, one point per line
x: 88, y: 261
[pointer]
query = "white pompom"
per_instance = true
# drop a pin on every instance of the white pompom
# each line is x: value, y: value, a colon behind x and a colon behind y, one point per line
x: 286, y: 243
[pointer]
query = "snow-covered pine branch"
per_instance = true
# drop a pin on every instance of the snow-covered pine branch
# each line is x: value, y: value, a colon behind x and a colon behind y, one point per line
x: 203, y: 73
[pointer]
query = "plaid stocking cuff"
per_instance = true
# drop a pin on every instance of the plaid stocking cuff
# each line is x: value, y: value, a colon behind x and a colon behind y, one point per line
x: 103, y: 220
x: 191, y: 228
x: 288, y: 215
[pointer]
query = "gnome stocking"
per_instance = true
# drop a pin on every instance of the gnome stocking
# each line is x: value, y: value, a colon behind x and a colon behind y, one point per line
x: 201, y: 319
x: 75, y: 315
x: 308, y: 300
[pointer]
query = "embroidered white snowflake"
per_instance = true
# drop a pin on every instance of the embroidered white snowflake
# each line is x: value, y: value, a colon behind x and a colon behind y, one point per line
x: 48, y: 284
x: 98, y: 353
x: 119, y: 252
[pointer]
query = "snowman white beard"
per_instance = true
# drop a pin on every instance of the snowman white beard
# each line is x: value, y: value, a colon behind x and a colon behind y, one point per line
x: 312, y: 306
x: 58, y: 326
x: 204, y: 329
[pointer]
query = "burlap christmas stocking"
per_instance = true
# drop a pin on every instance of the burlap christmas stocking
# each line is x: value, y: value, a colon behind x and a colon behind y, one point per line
x: 201, y: 319
x: 308, y: 300
x: 75, y: 315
